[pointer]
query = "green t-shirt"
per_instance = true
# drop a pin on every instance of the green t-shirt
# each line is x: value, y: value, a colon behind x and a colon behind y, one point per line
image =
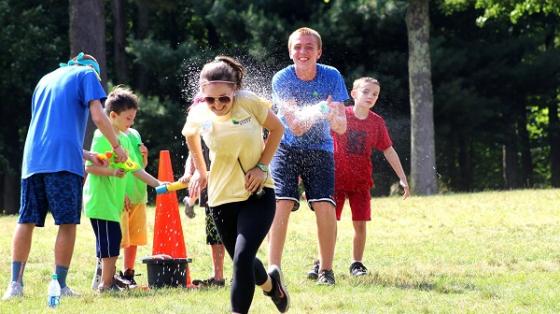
x: 104, y: 195
x: 135, y: 188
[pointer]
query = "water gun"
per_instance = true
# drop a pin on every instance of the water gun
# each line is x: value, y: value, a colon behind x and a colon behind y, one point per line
x: 314, y: 112
x: 323, y: 107
x: 170, y: 187
x: 128, y: 165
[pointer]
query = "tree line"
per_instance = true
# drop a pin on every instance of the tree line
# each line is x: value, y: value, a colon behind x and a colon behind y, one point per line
x: 493, y: 66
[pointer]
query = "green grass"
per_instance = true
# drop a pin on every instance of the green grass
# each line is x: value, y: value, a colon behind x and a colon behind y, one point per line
x: 493, y: 252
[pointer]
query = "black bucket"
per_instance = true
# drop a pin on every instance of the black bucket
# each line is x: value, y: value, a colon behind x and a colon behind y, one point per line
x: 171, y: 272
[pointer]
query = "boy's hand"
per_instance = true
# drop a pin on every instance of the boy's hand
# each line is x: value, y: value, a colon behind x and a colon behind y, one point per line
x: 143, y: 149
x: 94, y: 158
x: 144, y: 152
x: 292, y: 113
x: 185, y: 178
x: 406, y: 189
x: 121, y: 155
x: 127, y: 203
x: 336, y: 116
x: 119, y: 173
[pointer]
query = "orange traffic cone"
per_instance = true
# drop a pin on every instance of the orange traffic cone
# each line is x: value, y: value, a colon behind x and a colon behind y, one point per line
x: 168, y: 232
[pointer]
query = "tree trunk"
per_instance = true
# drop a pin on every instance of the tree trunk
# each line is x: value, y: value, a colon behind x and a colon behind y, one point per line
x: 423, y: 175
x: 554, y: 142
x: 87, y: 34
x: 525, y: 147
x: 119, y: 42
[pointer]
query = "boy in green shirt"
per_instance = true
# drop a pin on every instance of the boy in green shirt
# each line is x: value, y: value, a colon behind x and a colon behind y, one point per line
x: 105, y: 188
x: 133, y: 222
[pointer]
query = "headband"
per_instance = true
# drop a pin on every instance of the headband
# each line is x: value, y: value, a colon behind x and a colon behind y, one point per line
x: 206, y: 82
x: 81, y: 61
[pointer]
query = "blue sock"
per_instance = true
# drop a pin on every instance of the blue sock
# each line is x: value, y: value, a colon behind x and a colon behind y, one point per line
x: 17, y: 271
x: 61, y: 273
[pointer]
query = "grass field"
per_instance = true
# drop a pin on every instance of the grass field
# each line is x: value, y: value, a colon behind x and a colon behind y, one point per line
x: 492, y: 252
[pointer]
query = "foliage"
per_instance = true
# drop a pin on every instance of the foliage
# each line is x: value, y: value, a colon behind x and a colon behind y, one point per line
x: 484, y: 78
x: 25, y: 27
x: 515, y: 10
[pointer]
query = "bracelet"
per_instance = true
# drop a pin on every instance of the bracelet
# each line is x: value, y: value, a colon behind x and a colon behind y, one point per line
x: 116, y: 146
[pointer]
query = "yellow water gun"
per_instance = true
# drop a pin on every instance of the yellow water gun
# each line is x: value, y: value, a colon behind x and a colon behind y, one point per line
x: 170, y: 187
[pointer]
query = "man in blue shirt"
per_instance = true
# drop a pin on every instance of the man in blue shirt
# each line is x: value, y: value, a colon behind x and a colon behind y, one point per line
x: 52, y: 168
x: 306, y: 149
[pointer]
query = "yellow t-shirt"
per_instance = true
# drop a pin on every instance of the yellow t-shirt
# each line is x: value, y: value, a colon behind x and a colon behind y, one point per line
x: 232, y: 139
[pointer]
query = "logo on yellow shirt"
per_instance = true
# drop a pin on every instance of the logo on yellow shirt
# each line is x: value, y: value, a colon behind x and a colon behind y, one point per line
x: 241, y: 122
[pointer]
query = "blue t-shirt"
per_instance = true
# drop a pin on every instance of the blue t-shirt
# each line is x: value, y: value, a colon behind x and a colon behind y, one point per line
x: 286, y: 86
x: 59, y: 113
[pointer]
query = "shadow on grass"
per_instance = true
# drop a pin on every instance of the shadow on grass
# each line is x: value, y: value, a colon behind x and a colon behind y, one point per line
x: 412, y: 281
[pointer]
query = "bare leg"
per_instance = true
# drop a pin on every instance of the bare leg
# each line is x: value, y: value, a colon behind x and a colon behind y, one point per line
x: 64, y: 247
x: 326, y: 232
x: 21, y: 242
x: 130, y: 256
x: 218, y: 252
x: 359, y: 242
x: 108, y: 269
x: 278, y: 231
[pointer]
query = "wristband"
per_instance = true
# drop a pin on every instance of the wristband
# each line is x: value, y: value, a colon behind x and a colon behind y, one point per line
x: 262, y: 167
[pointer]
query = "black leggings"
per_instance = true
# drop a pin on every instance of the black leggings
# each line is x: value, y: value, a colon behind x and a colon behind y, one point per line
x: 242, y: 227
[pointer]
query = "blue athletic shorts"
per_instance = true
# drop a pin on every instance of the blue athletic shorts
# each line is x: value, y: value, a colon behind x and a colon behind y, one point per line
x: 108, y: 237
x: 58, y: 192
x: 316, y: 169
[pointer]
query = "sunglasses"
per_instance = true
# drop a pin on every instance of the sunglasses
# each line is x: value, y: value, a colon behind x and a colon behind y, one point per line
x: 222, y: 99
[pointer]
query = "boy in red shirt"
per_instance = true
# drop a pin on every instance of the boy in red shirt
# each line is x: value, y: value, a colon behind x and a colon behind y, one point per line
x: 353, y: 168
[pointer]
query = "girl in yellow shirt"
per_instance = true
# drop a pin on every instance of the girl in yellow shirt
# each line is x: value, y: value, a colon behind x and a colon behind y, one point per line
x: 240, y: 190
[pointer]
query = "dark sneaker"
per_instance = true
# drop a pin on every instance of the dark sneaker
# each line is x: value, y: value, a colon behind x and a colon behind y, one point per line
x: 358, y: 269
x: 210, y: 282
x: 129, y: 275
x: 112, y: 288
x: 121, y: 282
x: 278, y: 294
x: 189, y: 209
x: 313, y: 274
x: 326, y: 278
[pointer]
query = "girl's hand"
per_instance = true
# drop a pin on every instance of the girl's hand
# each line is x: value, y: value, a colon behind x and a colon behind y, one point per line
x: 254, y: 179
x: 197, y: 183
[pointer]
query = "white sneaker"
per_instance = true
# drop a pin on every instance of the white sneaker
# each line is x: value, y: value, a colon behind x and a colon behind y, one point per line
x: 15, y: 289
x: 67, y: 292
x: 96, y: 275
